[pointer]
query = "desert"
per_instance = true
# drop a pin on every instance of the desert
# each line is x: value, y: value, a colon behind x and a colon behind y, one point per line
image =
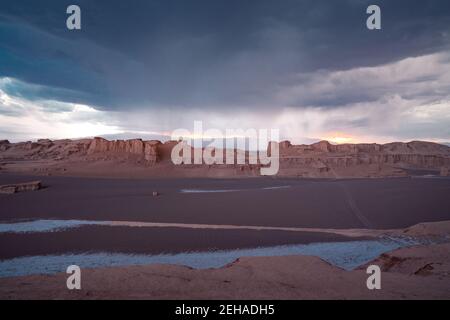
x: 225, y: 150
x: 136, y: 158
x: 224, y: 232
x: 418, y: 272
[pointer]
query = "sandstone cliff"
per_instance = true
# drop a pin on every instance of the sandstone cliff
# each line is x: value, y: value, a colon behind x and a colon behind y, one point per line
x: 323, y: 158
x: 90, y: 149
x: 148, y: 150
x: 320, y: 159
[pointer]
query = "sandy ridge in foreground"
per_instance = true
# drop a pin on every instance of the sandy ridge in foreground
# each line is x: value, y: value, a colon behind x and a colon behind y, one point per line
x: 421, y: 272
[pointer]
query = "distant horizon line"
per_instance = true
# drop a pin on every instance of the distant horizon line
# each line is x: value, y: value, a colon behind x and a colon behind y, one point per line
x: 445, y: 143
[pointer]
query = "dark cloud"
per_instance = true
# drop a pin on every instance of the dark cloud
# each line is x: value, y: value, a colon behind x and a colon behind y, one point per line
x: 211, y: 54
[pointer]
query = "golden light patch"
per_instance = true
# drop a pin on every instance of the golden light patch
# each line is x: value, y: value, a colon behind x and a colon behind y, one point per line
x: 339, y: 138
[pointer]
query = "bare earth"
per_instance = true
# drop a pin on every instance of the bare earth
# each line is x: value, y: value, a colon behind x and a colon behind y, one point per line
x: 421, y: 272
x: 70, y: 173
x: 424, y: 274
x: 382, y: 203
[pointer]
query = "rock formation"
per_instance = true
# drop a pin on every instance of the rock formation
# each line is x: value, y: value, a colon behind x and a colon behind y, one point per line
x: 321, y: 159
x: 148, y: 150
x: 20, y: 187
x: 45, y: 149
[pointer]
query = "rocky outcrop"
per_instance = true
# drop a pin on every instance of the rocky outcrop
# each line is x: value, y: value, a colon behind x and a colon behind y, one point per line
x: 324, y: 157
x: 148, y: 150
x: 321, y: 159
x: 20, y: 187
x: 4, y: 145
x: 45, y: 149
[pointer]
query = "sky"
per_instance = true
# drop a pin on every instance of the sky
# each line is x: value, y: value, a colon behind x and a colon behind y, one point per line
x: 143, y: 68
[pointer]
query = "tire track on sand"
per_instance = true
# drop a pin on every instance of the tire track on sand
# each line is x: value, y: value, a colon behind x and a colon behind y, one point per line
x: 354, y: 208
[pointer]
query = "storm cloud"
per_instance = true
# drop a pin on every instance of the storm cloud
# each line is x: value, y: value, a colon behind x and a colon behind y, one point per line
x: 227, y: 58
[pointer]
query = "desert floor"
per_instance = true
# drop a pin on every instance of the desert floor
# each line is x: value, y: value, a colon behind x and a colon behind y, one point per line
x: 381, y: 203
x: 411, y: 273
x: 242, y: 213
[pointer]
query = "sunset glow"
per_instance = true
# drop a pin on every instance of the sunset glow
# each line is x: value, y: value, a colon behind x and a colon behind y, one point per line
x: 339, y: 138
